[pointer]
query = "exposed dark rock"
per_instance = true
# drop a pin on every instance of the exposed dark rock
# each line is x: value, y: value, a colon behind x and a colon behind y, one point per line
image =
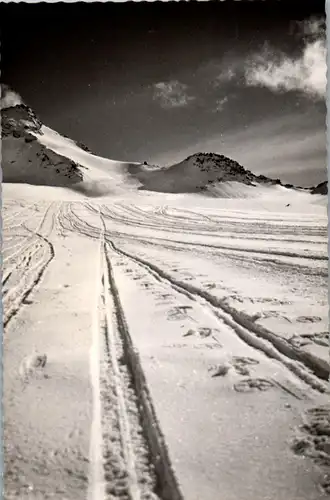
x: 83, y: 146
x: 321, y: 188
x: 26, y: 160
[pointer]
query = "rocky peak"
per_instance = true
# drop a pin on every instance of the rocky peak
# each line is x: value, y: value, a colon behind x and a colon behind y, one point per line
x: 321, y: 188
x: 18, y: 121
x: 207, y: 161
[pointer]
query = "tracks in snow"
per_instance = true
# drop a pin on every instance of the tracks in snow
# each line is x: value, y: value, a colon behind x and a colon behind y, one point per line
x: 308, y: 368
x: 131, y: 216
x: 135, y: 465
x: 27, y: 271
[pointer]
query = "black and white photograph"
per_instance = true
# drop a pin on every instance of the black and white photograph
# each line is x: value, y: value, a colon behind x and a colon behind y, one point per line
x: 165, y: 251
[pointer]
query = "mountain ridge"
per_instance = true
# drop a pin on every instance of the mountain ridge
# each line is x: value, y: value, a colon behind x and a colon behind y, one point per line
x: 26, y: 159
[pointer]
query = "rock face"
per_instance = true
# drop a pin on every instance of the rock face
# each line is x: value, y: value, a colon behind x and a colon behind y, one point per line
x: 198, y: 173
x: 321, y: 188
x: 24, y: 159
x: 19, y: 121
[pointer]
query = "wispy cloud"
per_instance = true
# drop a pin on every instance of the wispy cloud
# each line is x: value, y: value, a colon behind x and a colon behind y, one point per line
x: 275, y: 70
x: 172, y: 94
x: 8, y: 97
x: 280, y: 73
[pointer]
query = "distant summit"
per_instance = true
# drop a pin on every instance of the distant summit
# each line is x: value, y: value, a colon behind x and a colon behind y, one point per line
x: 208, y: 173
x: 199, y: 173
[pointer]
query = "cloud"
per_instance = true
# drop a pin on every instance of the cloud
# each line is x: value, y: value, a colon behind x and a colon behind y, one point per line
x: 172, y: 94
x: 9, y: 98
x: 280, y: 73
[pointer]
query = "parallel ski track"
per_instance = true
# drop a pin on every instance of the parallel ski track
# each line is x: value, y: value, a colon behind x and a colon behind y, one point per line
x: 215, y: 249
x: 136, y: 215
x: 106, y: 212
x: 14, y: 215
x: 32, y: 276
x: 254, y: 335
x: 23, y: 253
x: 262, y: 260
x: 304, y: 365
x: 136, y: 461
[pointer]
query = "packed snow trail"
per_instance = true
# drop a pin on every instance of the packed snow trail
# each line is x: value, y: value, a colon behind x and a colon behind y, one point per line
x: 136, y: 464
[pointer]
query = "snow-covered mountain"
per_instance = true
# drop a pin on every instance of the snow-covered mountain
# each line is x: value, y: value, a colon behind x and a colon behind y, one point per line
x: 27, y: 160
x: 35, y: 154
x: 212, y: 174
x: 201, y: 172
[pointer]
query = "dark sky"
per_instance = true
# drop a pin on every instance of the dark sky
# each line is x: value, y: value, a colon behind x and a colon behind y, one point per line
x: 160, y: 81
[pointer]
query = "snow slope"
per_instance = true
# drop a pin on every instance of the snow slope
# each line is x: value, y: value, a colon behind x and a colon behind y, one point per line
x: 35, y: 154
x: 100, y: 175
x: 160, y: 345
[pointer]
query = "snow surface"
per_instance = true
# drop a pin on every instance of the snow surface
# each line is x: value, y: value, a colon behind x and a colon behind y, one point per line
x: 107, y: 176
x: 164, y: 346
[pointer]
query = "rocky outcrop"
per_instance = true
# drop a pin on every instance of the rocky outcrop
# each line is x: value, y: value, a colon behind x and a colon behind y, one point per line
x: 321, y: 188
x: 18, y: 121
x: 24, y: 159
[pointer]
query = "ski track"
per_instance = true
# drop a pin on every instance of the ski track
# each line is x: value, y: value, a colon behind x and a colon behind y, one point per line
x: 275, y: 347
x: 30, y: 271
x: 191, y: 229
x: 136, y: 464
x: 264, y: 260
x: 304, y: 365
x: 128, y: 456
x: 129, y: 459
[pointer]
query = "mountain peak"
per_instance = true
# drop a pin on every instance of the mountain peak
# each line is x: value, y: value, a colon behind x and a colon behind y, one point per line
x: 19, y: 120
x: 216, y: 160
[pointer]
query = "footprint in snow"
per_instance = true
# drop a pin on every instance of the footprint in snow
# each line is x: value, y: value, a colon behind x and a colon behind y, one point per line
x: 189, y: 333
x: 308, y: 319
x: 253, y: 384
x: 146, y: 285
x: 202, y: 332
x: 314, y: 440
x: 177, y: 313
x: 220, y: 370
x: 32, y: 365
x: 241, y: 364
